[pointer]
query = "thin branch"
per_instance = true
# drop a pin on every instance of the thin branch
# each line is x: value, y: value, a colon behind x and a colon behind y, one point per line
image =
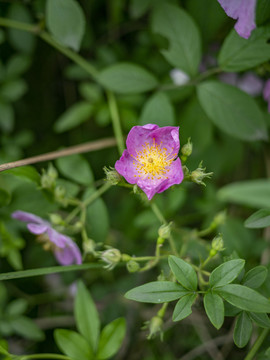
x: 78, y: 149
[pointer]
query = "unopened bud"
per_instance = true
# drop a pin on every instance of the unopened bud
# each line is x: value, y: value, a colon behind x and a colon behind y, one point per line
x: 111, y: 257
x: 220, y: 218
x: 133, y: 266
x: 218, y: 243
x: 52, y: 172
x: 199, y: 175
x: 155, y: 327
x: 112, y: 175
x: 186, y: 150
x: 59, y: 192
x: 88, y: 246
x: 56, y: 219
x: 165, y: 231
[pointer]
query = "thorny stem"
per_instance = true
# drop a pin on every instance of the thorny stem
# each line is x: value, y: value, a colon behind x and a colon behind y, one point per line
x: 257, y: 344
x: 116, y: 121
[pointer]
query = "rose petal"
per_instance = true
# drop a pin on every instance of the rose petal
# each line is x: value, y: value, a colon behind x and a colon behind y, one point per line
x: 56, y: 238
x: 37, y: 229
x: 168, y: 137
x: 27, y: 217
x: 242, y: 10
x: 70, y: 254
x: 125, y: 167
x: 138, y: 136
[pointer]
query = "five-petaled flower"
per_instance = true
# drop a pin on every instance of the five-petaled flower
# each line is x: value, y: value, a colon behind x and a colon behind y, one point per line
x: 65, y: 250
x: 244, y: 12
x: 151, y: 159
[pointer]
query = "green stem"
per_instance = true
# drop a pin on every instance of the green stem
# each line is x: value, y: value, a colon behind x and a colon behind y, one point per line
x: 257, y: 344
x: 116, y: 121
x: 42, y: 356
x: 19, y: 25
x: 97, y: 194
x: 158, y: 213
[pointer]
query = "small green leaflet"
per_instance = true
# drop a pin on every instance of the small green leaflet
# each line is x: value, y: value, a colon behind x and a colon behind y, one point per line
x: 214, y: 308
x: 183, y: 307
x: 260, y: 219
x: 183, y: 272
x: 226, y: 272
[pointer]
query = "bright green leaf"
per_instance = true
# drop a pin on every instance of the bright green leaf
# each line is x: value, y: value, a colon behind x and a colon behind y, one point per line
x: 158, y: 110
x: 127, y: 78
x: 66, y: 22
x: 244, y: 298
x: 260, y: 319
x: 253, y: 193
x: 183, y: 307
x: 226, y: 272
x: 111, y: 338
x: 255, y: 277
x: 232, y: 110
x: 175, y: 24
x: 157, y: 292
x: 260, y: 219
x: 28, y: 173
x: 238, y: 54
x: 27, y: 328
x: 242, y: 330
x: 183, y: 272
x: 86, y: 316
x: 73, y: 117
x: 214, y: 308
x: 76, y: 168
x: 73, y: 344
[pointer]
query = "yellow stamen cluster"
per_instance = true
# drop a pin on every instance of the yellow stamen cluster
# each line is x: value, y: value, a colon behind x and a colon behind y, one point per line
x: 47, y: 244
x: 153, y: 161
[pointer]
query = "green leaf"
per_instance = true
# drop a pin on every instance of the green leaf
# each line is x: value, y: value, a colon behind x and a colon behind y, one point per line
x: 214, y: 308
x: 6, y: 117
x: 74, y: 116
x: 158, y: 110
x: 183, y: 307
x: 73, y: 344
x: 244, y: 298
x: 86, y: 316
x: 238, y: 54
x: 111, y: 338
x: 127, y: 78
x: 260, y: 319
x: 22, y: 41
x: 47, y: 270
x: 76, y: 168
x: 260, y: 219
x: 97, y: 218
x: 27, y: 328
x: 226, y: 272
x: 262, y: 11
x: 175, y: 24
x: 66, y: 22
x: 255, y: 277
x: 13, y: 90
x: 183, y: 272
x: 28, y: 173
x: 17, y: 65
x: 242, y: 330
x: 232, y: 110
x: 5, y: 197
x: 16, y: 307
x: 253, y: 193
x: 157, y: 292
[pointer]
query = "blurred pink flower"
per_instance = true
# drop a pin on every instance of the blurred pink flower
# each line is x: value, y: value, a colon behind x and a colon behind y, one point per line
x: 266, y: 93
x: 244, y: 12
x: 151, y: 160
x: 65, y: 250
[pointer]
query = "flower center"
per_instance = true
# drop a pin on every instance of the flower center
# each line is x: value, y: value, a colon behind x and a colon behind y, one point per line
x: 153, y: 161
x: 46, y: 243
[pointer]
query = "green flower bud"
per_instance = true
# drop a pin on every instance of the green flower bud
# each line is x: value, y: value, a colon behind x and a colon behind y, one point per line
x: 220, y: 218
x: 88, y: 246
x: 155, y: 327
x: 199, y: 175
x: 112, y: 175
x: 111, y: 257
x: 186, y: 150
x: 133, y: 266
x: 125, y: 257
x: 217, y: 243
x: 56, y: 219
x: 52, y: 172
x: 165, y: 231
x: 59, y: 192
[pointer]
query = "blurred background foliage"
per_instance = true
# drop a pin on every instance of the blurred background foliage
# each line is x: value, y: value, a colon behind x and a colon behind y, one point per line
x: 47, y: 102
